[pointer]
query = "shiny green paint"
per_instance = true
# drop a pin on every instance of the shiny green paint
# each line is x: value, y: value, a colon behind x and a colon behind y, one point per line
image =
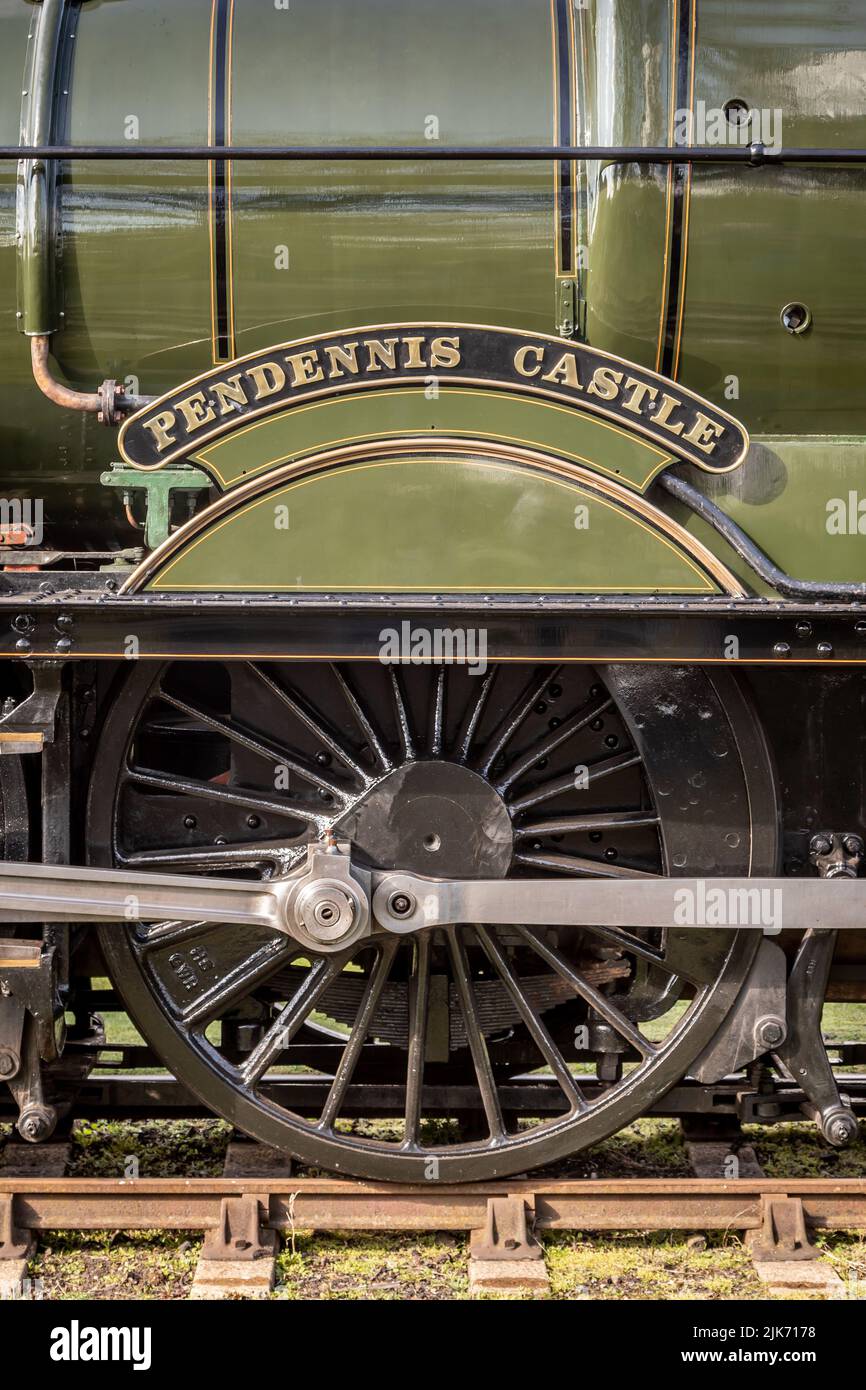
x: 756, y: 239
x: 371, y: 243
x: 475, y: 414
x: 435, y: 524
x: 801, y: 499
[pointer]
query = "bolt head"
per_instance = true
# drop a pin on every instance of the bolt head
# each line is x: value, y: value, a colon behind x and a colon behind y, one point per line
x: 841, y: 1130
x: 8, y: 1065
x: 401, y: 904
x: 772, y: 1033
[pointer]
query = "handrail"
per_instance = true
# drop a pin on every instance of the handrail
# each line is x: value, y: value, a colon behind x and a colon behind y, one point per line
x: 754, y: 557
x: 753, y: 155
x: 110, y: 402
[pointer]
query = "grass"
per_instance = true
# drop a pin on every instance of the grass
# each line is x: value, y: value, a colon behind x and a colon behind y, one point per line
x: 351, y: 1266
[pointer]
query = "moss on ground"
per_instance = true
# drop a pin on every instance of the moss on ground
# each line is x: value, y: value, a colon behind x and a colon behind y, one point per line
x: 151, y: 1265
x: 345, y: 1266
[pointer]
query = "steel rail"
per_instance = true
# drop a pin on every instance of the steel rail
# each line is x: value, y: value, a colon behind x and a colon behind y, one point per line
x: 321, y: 1204
x: 754, y: 154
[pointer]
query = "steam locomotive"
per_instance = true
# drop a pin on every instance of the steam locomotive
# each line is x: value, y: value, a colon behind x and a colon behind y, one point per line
x: 432, y: 658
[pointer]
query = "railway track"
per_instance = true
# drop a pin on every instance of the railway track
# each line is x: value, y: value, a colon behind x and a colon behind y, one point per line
x: 244, y: 1219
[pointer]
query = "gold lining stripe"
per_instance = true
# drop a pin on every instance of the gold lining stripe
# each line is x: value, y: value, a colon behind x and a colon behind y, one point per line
x: 663, y: 459
x: 561, y: 271
x: 672, y: 83
x: 687, y: 195
x: 214, y: 70
x: 629, y: 501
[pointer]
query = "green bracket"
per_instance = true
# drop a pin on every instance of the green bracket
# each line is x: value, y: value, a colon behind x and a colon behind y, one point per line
x: 157, y: 488
x: 565, y: 308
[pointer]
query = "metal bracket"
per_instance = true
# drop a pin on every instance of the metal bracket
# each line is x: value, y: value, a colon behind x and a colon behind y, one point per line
x: 756, y: 1023
x: 782, y: 1234
x: 239, y: 1234
x: 566, y: 299
x: 803, y: 1054
x: 15, y: 1242
x: 158, y: 489
x: 12, y: 1012
x: 508, y: 1232
x: 30, y: 725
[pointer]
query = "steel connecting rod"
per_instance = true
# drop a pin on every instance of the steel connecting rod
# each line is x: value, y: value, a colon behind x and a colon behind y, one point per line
x: 329, y: 903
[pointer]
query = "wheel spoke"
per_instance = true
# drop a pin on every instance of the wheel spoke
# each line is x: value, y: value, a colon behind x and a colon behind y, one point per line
x: 278, y: 856
x: 477, y: 1045
x: 419, y: 1000
x: 694, y: 955
x: 594, y: 773
x: 598, y: 820
x: 231, y: 987
x: 320, y: 975
x: 361, y: 1027
x: 237, y: 984
x: 374, y: 742
x: 476, y: 709
x: 312, y: 722
x: 578, y: 865
x: 437, y: 720
x: 171, y: 934
x: 599, y: 1002
x: 403, y: 722
x: 512, y: 721
x: 228, y: 796
x: 254, y: 743
x: 534, y: 1025
x: 566, y: 730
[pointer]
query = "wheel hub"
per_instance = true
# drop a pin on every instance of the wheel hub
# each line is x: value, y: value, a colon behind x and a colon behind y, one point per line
x: 434, y: 818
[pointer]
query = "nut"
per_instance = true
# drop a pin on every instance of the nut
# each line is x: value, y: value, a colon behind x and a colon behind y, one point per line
x: 771, y: 1031
x: 401, y: 904
x: 8, y: 1062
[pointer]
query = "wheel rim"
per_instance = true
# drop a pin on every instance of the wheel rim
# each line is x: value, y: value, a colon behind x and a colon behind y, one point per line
x: 622, y: 772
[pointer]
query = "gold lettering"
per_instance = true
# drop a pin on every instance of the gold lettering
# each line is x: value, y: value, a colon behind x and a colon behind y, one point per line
x: 663, y: 414
x: 605, y: 383
x: 340, y: 356
x: 565, y: 372
x: 381, y: 354
x: 414, y: 360
x: 445, y: 352
x: 704, y: 433
x: 196, y: 411
x: 305, y: 368
x: 229, y: 392
x: 640, y: 390
x: 521, y: 355
x: 159, y: 427
x: 268, y: 378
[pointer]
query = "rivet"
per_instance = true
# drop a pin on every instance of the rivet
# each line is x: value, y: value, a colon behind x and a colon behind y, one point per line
x: 825, y: 648
x: 781, y: 649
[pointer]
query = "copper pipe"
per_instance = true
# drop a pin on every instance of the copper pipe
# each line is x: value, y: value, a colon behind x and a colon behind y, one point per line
x: 40, y: 349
